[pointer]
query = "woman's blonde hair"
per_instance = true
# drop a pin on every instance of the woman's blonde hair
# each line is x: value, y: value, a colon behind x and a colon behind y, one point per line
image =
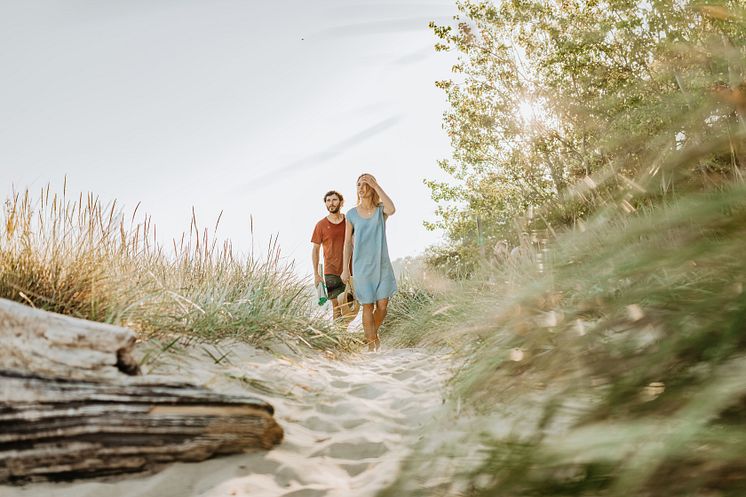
x: 375, y: 198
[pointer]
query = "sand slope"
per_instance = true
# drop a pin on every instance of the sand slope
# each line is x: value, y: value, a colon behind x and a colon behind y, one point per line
x: 348, y: 425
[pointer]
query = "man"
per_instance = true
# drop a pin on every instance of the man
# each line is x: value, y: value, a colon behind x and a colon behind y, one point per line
x: 330, y: 233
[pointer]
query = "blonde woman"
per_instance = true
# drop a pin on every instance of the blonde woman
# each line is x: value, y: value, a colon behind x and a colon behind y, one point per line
x: 375, y: 282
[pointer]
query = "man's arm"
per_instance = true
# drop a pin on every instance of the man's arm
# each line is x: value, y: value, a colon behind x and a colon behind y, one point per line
x: 315, y: 258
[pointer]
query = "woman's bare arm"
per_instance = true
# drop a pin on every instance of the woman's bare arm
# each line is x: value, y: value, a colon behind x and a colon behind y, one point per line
x: 347, y: 251
x: 388, y: 205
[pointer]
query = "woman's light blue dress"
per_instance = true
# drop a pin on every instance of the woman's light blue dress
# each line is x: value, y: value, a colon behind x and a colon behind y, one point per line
x: 373, y: 275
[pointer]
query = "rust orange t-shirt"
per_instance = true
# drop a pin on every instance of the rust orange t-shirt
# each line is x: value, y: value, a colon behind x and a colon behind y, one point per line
x: 332, y: 238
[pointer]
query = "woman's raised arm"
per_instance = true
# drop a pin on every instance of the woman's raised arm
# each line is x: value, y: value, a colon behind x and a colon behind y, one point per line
x: 388, y: 205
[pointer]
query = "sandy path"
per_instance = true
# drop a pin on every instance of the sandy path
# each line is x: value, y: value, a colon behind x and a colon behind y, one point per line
x: 348, y: 425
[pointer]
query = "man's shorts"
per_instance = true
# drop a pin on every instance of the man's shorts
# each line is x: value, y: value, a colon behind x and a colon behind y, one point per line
x: 334, y: 285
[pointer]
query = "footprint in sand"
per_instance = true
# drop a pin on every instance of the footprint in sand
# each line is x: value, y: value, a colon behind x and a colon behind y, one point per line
x: 355, y: 469
x: 366, y: 392
x: 305, y: 492
x: 336, y: 408
x: 316, y: 423
x: 404, y: 375
x: 351, y: 424
x: 357, y: 449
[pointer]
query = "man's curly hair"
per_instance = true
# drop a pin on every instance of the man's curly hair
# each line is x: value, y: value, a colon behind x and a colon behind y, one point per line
x: 334, y: 192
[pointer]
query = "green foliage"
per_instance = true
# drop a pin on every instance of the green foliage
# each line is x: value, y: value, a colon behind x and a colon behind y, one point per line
x: 456, y: 262
x: 547, y: 95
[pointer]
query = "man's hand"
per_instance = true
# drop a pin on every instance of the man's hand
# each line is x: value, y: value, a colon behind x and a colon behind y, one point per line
x: 345, y: 276
x: 317, y: 279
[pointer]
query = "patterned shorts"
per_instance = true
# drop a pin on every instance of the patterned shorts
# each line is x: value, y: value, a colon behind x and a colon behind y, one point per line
x: 334, y: 285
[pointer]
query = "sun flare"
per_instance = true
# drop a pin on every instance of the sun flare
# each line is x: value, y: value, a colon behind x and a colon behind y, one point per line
x: 530, y: 111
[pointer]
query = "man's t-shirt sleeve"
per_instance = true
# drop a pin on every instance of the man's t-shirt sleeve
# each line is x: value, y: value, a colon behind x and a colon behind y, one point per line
x: 316, y: 237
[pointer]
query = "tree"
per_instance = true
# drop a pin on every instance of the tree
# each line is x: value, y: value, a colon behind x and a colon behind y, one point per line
x: 546, y: 94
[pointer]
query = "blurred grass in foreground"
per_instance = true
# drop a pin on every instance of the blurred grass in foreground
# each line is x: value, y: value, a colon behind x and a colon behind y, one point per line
x: 621, y: 370
x: 611, y: 359
x: 86, y: 259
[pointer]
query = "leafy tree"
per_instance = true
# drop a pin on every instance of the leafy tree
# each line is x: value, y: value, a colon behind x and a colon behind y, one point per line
x: 549, y: 95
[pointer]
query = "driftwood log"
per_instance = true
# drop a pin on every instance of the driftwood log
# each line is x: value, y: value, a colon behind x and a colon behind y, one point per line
x: 71, y: 405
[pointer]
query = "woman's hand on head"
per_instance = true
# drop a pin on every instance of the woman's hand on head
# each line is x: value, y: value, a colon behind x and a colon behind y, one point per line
x: 370, y: 181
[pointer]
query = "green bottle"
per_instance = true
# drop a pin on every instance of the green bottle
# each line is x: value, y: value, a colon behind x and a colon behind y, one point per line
x: 321, y: 292
x: 321, y: 288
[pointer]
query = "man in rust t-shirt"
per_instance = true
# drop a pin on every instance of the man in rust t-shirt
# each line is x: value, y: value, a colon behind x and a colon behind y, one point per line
x: 330, y: 234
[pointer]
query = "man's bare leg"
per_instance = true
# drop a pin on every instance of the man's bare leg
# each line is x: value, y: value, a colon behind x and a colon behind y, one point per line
x: 369, y: 326
x: 378, y: 316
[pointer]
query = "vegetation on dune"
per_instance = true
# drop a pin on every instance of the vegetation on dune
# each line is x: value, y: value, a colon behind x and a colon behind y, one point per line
x: 86, y: 259
x: 618, y: 370
x: 607, y: 357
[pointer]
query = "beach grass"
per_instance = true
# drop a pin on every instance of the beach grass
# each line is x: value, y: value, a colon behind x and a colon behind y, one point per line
x: 86, y: 258
x: 617, y: 368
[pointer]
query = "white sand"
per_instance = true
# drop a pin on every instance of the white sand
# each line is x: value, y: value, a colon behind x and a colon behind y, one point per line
x: 348, y: 425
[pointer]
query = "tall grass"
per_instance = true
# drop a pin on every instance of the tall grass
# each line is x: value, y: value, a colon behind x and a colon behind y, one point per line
x: 88, y: 259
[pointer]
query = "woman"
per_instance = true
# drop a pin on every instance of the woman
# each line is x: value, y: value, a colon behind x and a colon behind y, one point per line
x: 375, y: 282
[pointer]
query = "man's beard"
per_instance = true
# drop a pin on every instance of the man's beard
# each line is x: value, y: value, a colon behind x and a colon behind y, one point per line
x: 333, y: 210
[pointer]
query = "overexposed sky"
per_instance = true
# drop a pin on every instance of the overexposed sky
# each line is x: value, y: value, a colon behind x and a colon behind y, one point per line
x: 246, y: 107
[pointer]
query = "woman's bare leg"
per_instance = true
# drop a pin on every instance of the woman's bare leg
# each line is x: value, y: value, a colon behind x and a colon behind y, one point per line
x: 369, y: 326
x: 378, y: 316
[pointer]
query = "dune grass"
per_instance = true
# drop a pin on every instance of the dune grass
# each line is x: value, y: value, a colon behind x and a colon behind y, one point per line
x: 88, y: 259
x: 618, y: 370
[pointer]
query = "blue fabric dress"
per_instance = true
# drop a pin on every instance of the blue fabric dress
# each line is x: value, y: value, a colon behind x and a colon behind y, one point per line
x: 373, y: 275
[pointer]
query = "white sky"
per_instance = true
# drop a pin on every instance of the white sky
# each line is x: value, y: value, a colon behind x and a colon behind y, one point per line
x: 246, y: 107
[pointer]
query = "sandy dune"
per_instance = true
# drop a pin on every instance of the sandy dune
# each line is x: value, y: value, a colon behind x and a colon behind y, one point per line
x: 348, y: 425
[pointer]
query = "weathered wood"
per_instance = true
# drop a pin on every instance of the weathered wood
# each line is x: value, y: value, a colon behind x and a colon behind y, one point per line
x: 62, y: 346
x: 67, y: 409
